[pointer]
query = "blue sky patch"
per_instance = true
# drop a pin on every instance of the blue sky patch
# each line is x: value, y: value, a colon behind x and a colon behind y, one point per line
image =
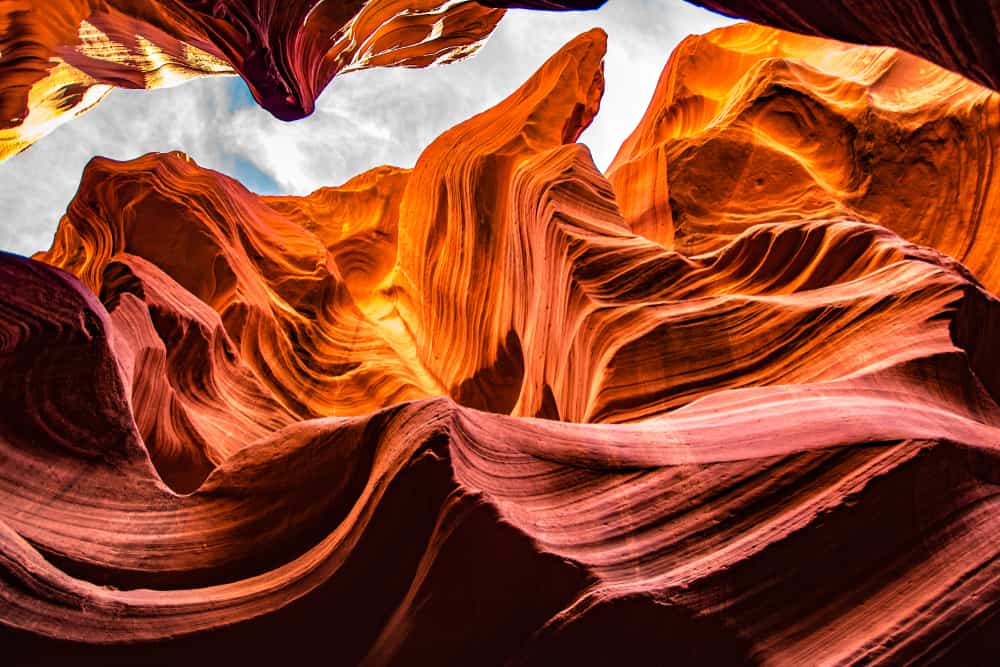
x: 239, y: 94
x: 252, y: 177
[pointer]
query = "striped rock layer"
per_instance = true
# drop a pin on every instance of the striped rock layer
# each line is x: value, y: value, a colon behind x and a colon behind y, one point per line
x: 729, y: 403
x: 752, y: 125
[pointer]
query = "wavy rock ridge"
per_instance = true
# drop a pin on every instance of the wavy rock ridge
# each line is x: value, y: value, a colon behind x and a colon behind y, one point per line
x: 59, y: 58
x: 499, y: 409
x: 752, y: 125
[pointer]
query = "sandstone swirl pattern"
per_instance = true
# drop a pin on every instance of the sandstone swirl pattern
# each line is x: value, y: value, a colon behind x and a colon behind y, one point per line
x: 502, y: 409
x: 58, y: 58
x: 753, y: 125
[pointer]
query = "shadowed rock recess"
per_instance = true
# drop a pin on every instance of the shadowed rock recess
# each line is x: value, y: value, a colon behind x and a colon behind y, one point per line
x: 733, y: 402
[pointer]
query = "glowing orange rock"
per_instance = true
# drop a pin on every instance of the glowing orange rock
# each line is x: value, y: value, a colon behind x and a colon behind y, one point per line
x: 60, y: 58
x: 278, y: 291
x: 317, y: 418
x: 751, y: 124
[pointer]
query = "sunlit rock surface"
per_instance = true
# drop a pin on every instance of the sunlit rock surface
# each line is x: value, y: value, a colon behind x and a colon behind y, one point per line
x: 58, y: 58
x: 502, y: 409
x: 752, y: 125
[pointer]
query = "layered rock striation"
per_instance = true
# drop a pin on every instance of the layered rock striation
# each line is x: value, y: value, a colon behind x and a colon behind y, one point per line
x: 504, y: 409
x: 751, y: 125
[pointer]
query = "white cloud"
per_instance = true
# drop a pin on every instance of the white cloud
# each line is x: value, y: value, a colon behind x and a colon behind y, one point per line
x: 362, y: 120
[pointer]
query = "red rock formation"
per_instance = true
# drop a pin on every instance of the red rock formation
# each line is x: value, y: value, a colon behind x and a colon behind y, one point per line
x: 961, y: 36
x: 465, y: 414
x: 59, y: 58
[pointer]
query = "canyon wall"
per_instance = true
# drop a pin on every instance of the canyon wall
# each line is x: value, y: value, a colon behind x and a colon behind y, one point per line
x: 734, y: 401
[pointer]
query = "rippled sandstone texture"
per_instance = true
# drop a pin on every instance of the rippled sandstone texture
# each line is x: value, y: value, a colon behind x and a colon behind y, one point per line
x: 751, y: 125
x: 58, y: 58
x: 490, y: 411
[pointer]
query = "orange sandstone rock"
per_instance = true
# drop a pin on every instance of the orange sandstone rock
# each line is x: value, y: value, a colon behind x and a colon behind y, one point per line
x: 472, y: 413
